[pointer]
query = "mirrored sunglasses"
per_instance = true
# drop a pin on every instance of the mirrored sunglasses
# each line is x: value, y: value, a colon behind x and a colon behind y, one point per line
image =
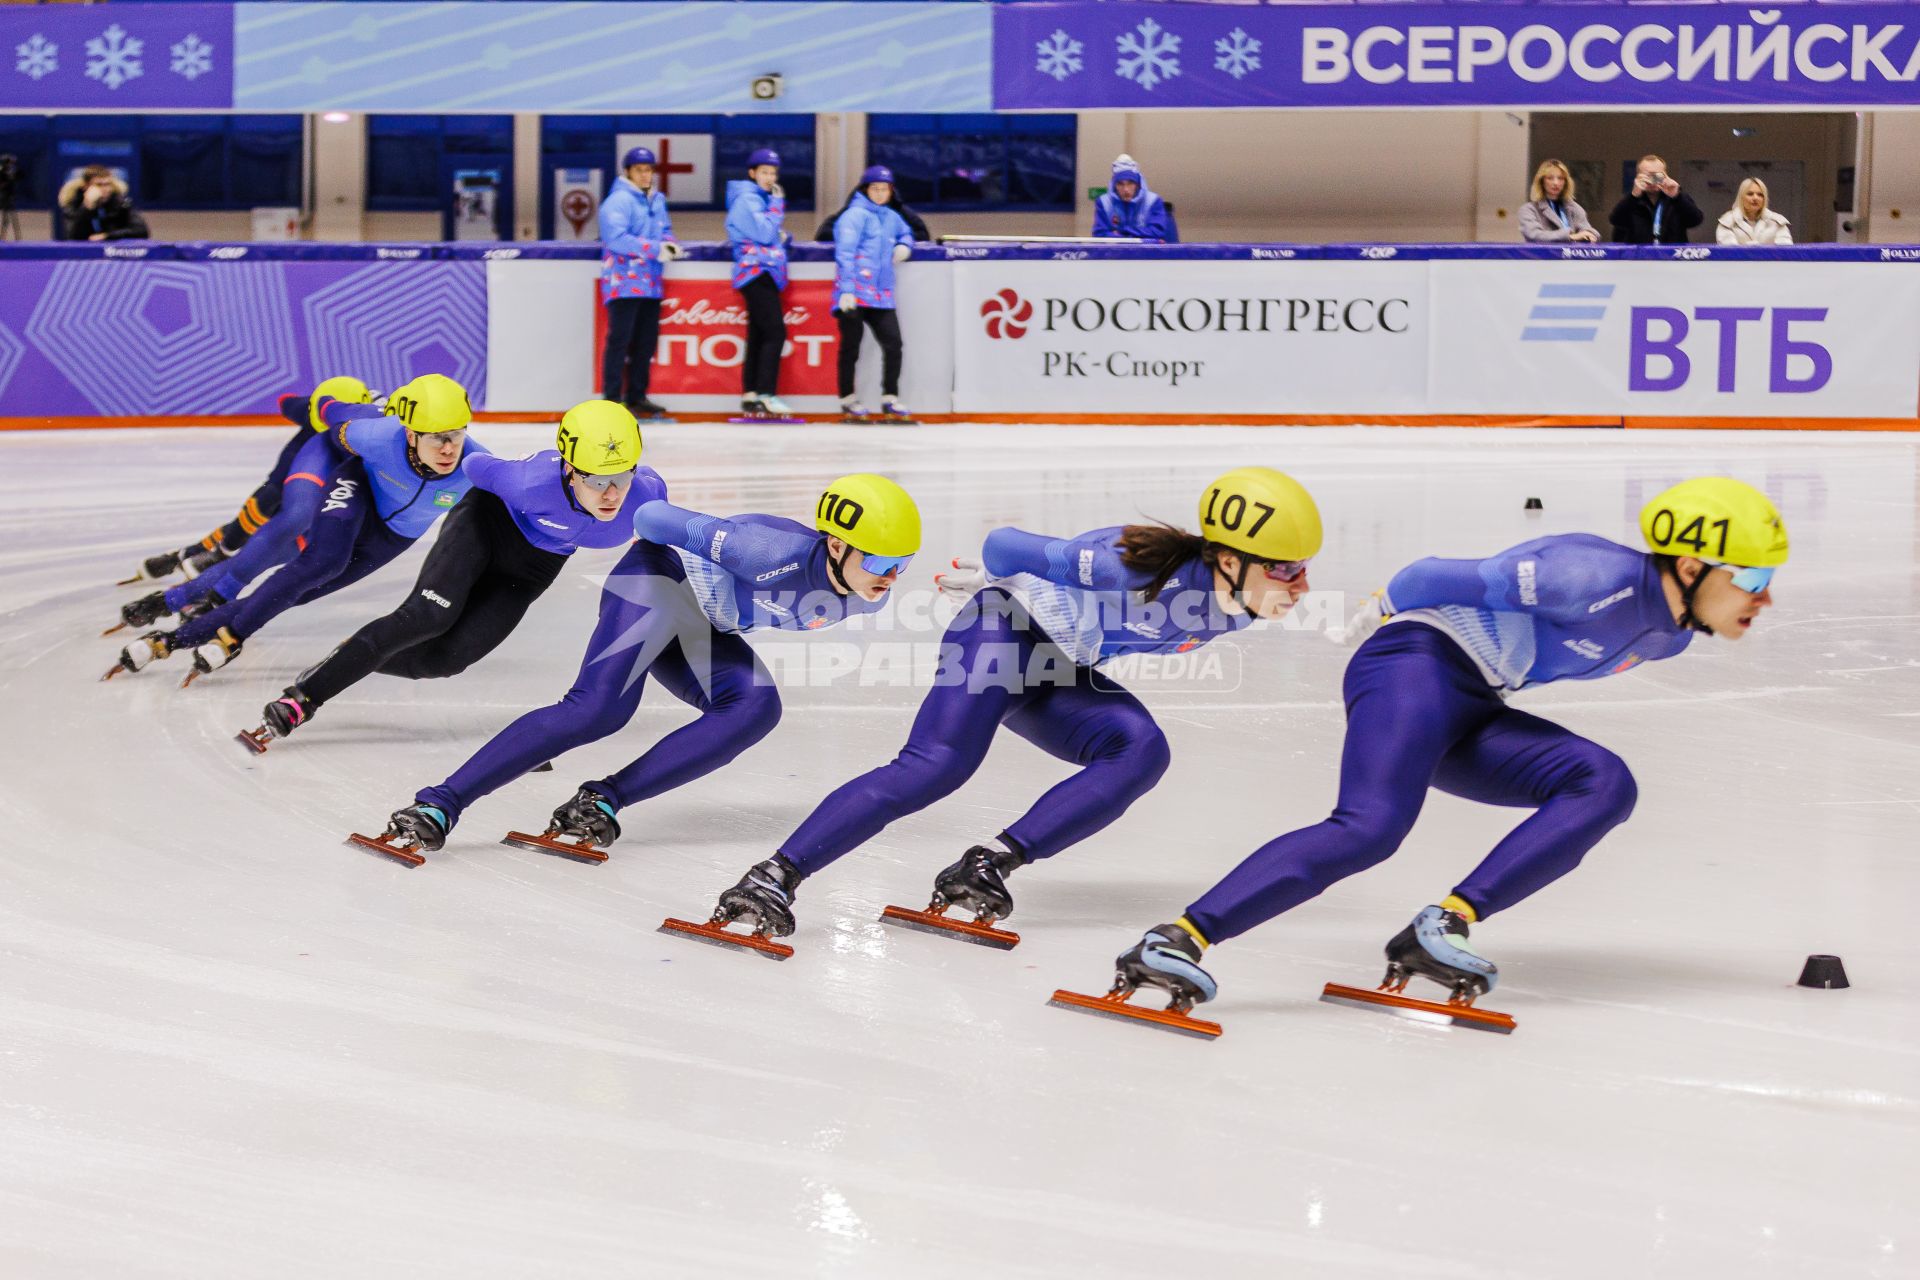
x: 884, y: 566
x: 1751, y: 581
x: 1283, y: 570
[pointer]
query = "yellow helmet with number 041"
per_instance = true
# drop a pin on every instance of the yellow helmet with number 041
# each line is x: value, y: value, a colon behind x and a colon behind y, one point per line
x: 873, y: 515
x: 430, y: 404
x: 1262, y: 513
x: 344, y: 389
x: 1719, y: 519
x: 599, y: 438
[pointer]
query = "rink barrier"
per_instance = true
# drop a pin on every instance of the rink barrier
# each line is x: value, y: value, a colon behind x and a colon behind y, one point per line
x: 157, y: 333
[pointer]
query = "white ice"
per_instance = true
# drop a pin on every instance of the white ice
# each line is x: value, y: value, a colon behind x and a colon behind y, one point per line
x: 232, y: 1047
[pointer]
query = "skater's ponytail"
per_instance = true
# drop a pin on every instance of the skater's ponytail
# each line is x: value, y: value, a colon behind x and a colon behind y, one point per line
x: 1160, y: 550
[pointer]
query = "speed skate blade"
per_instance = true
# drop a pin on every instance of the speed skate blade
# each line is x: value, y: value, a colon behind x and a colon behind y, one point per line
x: 1117, y: 1007
x: 727, y: 938
x: 128, y: 582
x: 379, y: 844
x: 118, y: 626
x: 255, y: 740
x: 953, y: 927
x: 1436, y: 1011
x: 581, y: 852
x: 748, y: 420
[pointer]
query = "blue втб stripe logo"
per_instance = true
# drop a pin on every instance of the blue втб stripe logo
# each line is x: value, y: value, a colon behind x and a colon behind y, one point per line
x: 1567, y: 313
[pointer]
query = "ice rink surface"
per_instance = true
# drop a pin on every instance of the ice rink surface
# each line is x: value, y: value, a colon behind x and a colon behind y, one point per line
x: 232, y: 1047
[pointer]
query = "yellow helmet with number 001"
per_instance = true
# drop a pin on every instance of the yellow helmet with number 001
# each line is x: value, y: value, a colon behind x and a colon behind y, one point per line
x: 430, y: 404
x: 344, y: 389
x: 1716, y: 518
x: 1262, y: 513
x: 600, y: 438
x: 870, y: 513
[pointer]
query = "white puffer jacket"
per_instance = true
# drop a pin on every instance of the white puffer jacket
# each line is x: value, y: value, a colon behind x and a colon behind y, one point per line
x: 1769, y: 228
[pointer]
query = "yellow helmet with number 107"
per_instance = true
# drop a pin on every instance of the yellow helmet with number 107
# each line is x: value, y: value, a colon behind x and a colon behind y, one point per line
x: 1719, y: 519
x: 344, y: 389
x: 1262, y: 513
x: 600, y: 438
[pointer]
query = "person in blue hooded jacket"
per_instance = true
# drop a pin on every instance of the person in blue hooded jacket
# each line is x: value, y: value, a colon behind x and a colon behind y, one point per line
x: 756, y: 214
x: 636, y: 232
x: 867, y: 240
x: 1131, y: 210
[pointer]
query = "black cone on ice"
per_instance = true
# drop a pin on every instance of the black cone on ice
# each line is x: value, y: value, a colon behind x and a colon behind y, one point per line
x: 1534, y: 504
x: 1824, y: 971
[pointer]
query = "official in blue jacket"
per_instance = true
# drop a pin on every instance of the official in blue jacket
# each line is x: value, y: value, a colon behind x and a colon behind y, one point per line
x: 756, y: 217
x: 637, y: 233
x: 867, y: 240
x: 1130, y: 210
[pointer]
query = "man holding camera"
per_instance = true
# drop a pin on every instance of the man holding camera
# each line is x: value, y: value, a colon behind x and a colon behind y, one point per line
x: 1656, y: 211
x: 95, y: 207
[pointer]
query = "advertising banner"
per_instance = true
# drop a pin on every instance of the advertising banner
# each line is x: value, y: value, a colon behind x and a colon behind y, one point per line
x: 131, y: 57
x: 1708, y: 339
x: 1196, y: 337
x: 1080, y: 55
x: 130, y: 337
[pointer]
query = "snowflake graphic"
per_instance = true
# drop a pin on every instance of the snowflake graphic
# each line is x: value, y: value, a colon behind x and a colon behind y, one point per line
x: 36, y: 57
x: 1059, y: 55
x: 114, y: 57
x: 193, y: 57
x: 1147, y: 59
x: 1239, y: 53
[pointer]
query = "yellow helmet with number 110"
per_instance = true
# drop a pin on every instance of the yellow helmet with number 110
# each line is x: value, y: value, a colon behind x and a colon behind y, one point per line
x: 1719, y: 519
x: 871, y: 513
x: 430, y: 404
x: 600, y: 438
x: 344, y: 389
x: 1262, y: 513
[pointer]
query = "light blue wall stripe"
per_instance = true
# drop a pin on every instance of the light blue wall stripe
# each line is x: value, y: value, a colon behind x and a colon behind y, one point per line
x: 689, y: 56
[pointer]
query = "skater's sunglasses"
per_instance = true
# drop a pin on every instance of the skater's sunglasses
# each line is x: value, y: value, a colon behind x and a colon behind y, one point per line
x: 884, y: 566
x: 1283, y: 570
x: 1751, y: 581
x: 600, y: 484
x: 442, y: 439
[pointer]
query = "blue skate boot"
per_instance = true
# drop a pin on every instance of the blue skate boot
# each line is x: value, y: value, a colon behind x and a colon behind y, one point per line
x: 1435, y: 946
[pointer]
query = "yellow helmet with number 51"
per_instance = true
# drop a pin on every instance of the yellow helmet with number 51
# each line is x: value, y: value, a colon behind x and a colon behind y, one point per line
x: 600, y: 438
x: 1717, y: 519
x: 1262, y: 513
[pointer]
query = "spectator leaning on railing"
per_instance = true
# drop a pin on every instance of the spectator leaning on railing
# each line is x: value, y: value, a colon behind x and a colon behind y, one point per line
x: 95, y: 206
x: 1129, y: 210
x: 1656, y: 211
x: 1551, y: 216
x: 1750, y: 221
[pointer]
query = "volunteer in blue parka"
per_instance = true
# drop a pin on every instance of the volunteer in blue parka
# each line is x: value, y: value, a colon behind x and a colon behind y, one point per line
x: 637, y: 235
x: 867, y: 240
x: 1131, y: 210
x: 756, y: 214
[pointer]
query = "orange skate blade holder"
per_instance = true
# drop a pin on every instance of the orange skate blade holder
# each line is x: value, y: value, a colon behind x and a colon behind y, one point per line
x: 723, y: 937
x: 931, y: 921
x: 581, y: 851
x: 1115, y: 1006
x: 118, y: 668
x: 118, y: 626
x: 1455, y: 1012
x: 255, y: 740
x: 128, y: 582
x: 383, y: 844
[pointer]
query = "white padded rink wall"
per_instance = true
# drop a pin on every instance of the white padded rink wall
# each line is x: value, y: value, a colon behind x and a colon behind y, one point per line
x: 234, y: 1048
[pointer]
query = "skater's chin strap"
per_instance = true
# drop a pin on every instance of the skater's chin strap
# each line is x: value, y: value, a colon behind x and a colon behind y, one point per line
x: 837, y: 569
x: 420, y: 468
x: 1687, y: 593
x: 566, y: 482
x: 1238, y: 589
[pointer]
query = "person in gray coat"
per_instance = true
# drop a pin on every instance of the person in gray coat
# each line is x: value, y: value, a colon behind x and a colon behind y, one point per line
x: 1551, y: 216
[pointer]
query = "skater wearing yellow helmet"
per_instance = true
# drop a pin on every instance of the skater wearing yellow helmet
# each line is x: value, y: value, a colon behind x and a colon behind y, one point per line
x: 675, y: 610
x: 1426, y: 706
x: 502, y: 547
x: 1040, y: 616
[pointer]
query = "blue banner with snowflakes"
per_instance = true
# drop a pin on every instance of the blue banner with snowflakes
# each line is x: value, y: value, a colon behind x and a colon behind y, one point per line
x: 121, y: 57
x: 1084, y: 55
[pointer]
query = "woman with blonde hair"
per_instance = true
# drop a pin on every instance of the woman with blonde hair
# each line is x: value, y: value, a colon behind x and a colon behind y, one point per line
x: 1750, y: 221
x: 1551, y: 216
